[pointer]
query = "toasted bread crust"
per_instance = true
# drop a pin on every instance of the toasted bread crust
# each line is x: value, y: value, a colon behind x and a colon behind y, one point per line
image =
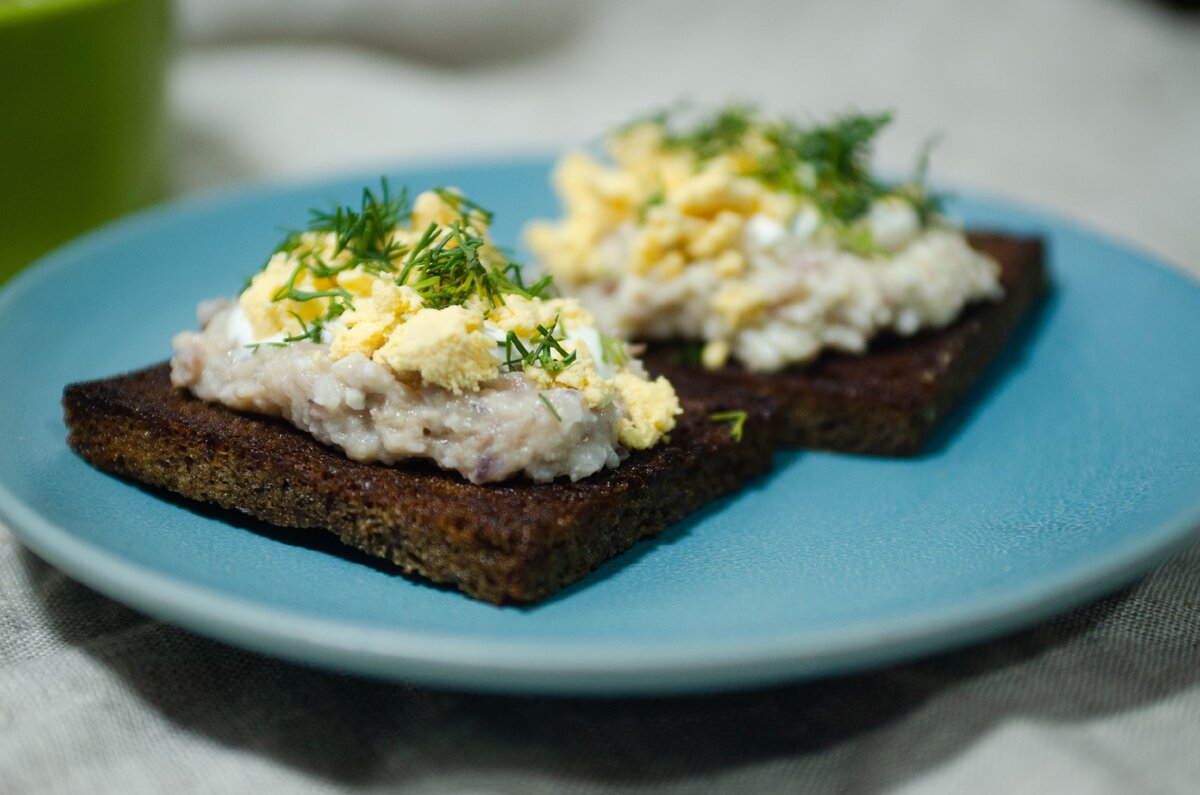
x: 515, y: 541
x: 889, y: 400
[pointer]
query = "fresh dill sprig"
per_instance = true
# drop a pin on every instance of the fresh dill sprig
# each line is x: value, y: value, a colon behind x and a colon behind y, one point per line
x: 550, y: 406
x: 451, y: 270
x: 540, y: 352
x: 547, y: 345
x: 289, y: 291
x: 364, y: 234
x: 612, y: 351
x: 418, y: 250
x: 339, y: 301
x: 715, y: 135
x: 311, y: 331
x: 738, y: 418
x: 825, y: 163
x: 450, y: 267
x: 462, y: 205
x: 510, y: 344
x: 927, y: 203
x: 362, y: 238
x: 446, y: 266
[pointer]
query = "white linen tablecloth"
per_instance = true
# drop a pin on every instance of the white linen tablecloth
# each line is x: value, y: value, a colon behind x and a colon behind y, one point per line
x: 1088, y: 108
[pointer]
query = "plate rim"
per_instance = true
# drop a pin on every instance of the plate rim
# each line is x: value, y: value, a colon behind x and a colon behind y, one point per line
x: 571, y: 667
x: 546, y: 666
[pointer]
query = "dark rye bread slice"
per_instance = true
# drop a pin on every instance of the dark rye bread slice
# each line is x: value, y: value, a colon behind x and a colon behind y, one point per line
x: 516, y: 541
x: 889, y: 400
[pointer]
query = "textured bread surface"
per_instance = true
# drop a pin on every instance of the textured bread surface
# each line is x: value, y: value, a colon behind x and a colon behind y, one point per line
x: 515, y: 541
x: 889, y: 400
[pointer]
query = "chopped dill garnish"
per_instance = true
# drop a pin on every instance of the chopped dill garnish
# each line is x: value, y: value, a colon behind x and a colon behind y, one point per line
x: 449, y: 274
x: 518, y: 356
x: 290, y: 292
x: 612, y: 351
x: 916, y: 191
x: 547, y: 345
x: 513, y: 343
x: 308, y: 331
x: 738, y: 418
x: 312, y: 331
x: 446, y: 266
x: 712, y: 136
x: 550, y: 406
x: 450, y: 269
x: 462, y: 204
x: 825, y: 163
x: 366, y: 234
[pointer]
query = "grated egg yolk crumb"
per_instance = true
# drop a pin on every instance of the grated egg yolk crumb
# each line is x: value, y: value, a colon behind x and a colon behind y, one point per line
x: 446, y: 346
x: 650, y: 410
x: 371, y: 322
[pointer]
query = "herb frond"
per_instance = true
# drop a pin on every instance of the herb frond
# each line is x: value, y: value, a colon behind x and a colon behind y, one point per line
x: 547, y: 345
x: 446, y: 266
x: 545, y: 400
x: 826, y: 163
x: 365, y: 234
x: 737, y: 418
x: 513, y: 343
x: 539, y: 353
x: 451, y: 269
x: 927, y: 203
x: 308, y: 331
x: 612, y: 351
x: 715, y: 135
x: 462, y: 205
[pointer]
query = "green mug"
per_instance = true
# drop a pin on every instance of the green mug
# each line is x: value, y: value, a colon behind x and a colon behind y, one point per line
x: 82, y: 123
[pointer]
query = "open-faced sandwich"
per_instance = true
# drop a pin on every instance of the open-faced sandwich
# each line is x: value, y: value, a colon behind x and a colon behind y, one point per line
x: 390, y: 376
x: 760, y: 257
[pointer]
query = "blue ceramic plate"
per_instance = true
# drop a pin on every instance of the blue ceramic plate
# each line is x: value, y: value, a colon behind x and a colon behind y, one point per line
x: 1074, y: 467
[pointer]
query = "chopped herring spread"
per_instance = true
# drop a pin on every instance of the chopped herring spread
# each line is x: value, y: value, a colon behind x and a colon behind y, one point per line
x: 398, y: 331
x: 766, y: 242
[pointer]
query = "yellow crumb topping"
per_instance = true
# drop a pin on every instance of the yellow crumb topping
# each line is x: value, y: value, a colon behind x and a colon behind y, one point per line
x: 440, y: 304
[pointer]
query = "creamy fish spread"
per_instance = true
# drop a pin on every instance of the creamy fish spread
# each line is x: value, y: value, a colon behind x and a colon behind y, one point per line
x: 397, y: 332
x: 765, y: 241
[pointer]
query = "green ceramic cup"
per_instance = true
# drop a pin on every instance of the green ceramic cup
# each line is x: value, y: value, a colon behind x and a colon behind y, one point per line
x: 82, y: 138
